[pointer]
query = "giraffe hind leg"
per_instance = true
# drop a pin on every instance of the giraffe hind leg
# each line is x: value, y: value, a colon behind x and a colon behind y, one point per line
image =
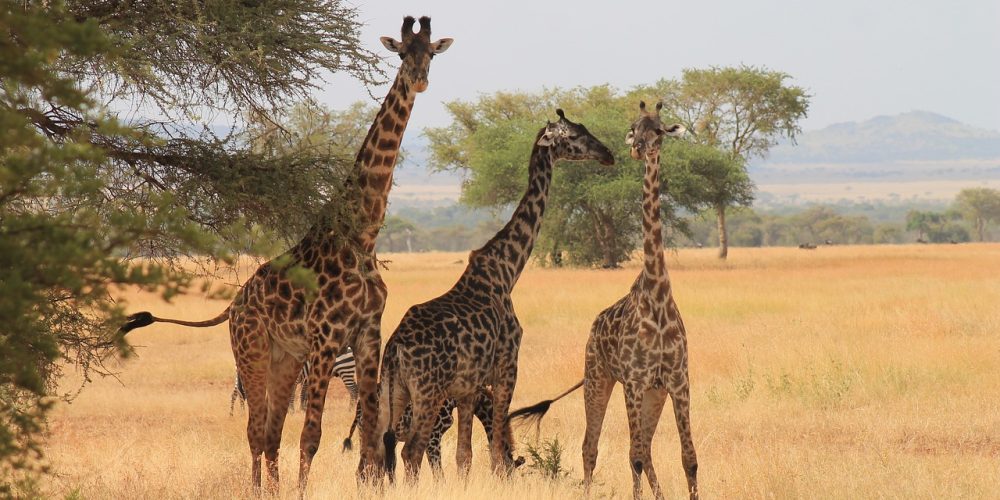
x: 426, y: 409
x: 283, y: 374
x: 463, y: 455
x: 366, y: 356
x: 252, y: 368
x: 320, y: 371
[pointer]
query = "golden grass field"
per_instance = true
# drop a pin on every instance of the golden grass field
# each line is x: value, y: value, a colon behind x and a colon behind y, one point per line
x: 843, y: 372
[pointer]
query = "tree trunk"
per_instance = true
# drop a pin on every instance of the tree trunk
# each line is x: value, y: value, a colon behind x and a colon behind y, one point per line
x: 981, y: 228
x: 610, y: 262
x: 720, y: 211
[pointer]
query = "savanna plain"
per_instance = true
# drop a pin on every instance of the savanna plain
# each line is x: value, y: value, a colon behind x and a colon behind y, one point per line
x: 841, y: 372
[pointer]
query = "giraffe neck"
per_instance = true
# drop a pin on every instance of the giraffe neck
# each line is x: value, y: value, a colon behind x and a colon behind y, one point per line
x: 654, y: 268
x: 511, y: 247
x: 377, y: 158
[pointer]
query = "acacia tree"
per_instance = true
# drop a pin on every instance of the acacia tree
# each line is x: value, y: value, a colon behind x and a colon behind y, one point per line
x: 743, y: 111
x: 979, y: 206
x: 591, y: 210
x: 702, y: 175
x: 81, y: 192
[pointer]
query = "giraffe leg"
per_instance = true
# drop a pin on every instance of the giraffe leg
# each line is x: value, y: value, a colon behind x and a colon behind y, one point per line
x: 652, y: 408
x: 441, y: 425
x: 284, y: 370
x: 502, y: 443
x: 682, y: 406
x: 634, y: 393
x: 237, y: 393
x: 320, y: 372
x: 463, y: 455
x: 366, y: 357
x: 425, y: 413
x: 597, y: 390
x: 252, y: 359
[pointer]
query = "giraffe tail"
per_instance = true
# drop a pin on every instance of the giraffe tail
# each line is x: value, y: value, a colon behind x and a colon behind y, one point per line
x: 354, y: 425
x: 141, y: 319
x: 386, y: 421
x: 535, y: 412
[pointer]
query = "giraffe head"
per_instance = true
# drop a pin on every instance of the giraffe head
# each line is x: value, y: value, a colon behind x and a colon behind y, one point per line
x: 646, y: 133
x: 416, y: 50
x: 572, y: 141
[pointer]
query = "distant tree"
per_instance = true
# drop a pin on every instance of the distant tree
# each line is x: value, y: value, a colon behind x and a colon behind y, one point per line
x: 979, y: 206
x: 936, y: 227
x: 887, y: 233
x: 395, y: 233
x: 743, y: 111
x: 920, y: 222
x: 702, y: 175
x: 592, y: 209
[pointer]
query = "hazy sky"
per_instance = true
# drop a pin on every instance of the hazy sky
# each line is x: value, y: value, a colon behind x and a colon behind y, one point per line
x: 858, y: 58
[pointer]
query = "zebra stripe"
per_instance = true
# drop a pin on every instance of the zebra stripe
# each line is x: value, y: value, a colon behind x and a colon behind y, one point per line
x: 343, y: 368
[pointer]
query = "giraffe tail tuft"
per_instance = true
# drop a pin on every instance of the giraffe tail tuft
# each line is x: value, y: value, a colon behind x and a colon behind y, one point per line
x: 530, y: 414
x: 537, y: 411
x: 389, y: 440
x: 137, y: 320
x: 347, y: 445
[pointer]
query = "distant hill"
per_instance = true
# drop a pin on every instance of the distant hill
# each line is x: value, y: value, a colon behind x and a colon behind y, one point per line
x: 916, y: 157
x: 913, y: 136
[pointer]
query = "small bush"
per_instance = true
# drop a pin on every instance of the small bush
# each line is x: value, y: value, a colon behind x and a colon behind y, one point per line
x: 546, y: 459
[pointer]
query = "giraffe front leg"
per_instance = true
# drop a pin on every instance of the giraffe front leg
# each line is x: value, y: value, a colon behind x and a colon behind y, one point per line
x: 502, y: 445
x: 634, y: 393
x: 366, y: 356
x: 652, y: 408
x: 682, y: 406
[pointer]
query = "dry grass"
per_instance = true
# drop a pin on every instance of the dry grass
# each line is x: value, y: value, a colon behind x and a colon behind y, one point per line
x: 842, y: 372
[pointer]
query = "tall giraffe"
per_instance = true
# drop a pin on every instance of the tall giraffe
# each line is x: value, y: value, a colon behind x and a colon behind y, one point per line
x: 452, y: 346
x: 640, y: 341
x: 274, y: 327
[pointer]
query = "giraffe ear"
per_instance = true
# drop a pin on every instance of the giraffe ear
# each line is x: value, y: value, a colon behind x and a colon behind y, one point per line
x: 391, y: 44
x: 630, y: 137
x: 675, y: 130
x: 441, y: 45
x: 546, y: 138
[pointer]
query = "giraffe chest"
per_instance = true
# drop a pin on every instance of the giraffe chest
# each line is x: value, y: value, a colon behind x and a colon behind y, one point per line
x: 637, y: 340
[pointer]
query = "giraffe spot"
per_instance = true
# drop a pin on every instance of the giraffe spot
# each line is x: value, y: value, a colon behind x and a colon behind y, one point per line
x: 387, y: 123
x: 388, y: 144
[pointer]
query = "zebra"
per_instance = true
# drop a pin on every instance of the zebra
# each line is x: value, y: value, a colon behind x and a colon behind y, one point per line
x: 343, y: 367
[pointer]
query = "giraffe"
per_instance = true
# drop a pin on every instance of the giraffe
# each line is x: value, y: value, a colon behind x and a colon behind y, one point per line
x: 468, y: 338
x: 275, y: 327
x: 640, y: 341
